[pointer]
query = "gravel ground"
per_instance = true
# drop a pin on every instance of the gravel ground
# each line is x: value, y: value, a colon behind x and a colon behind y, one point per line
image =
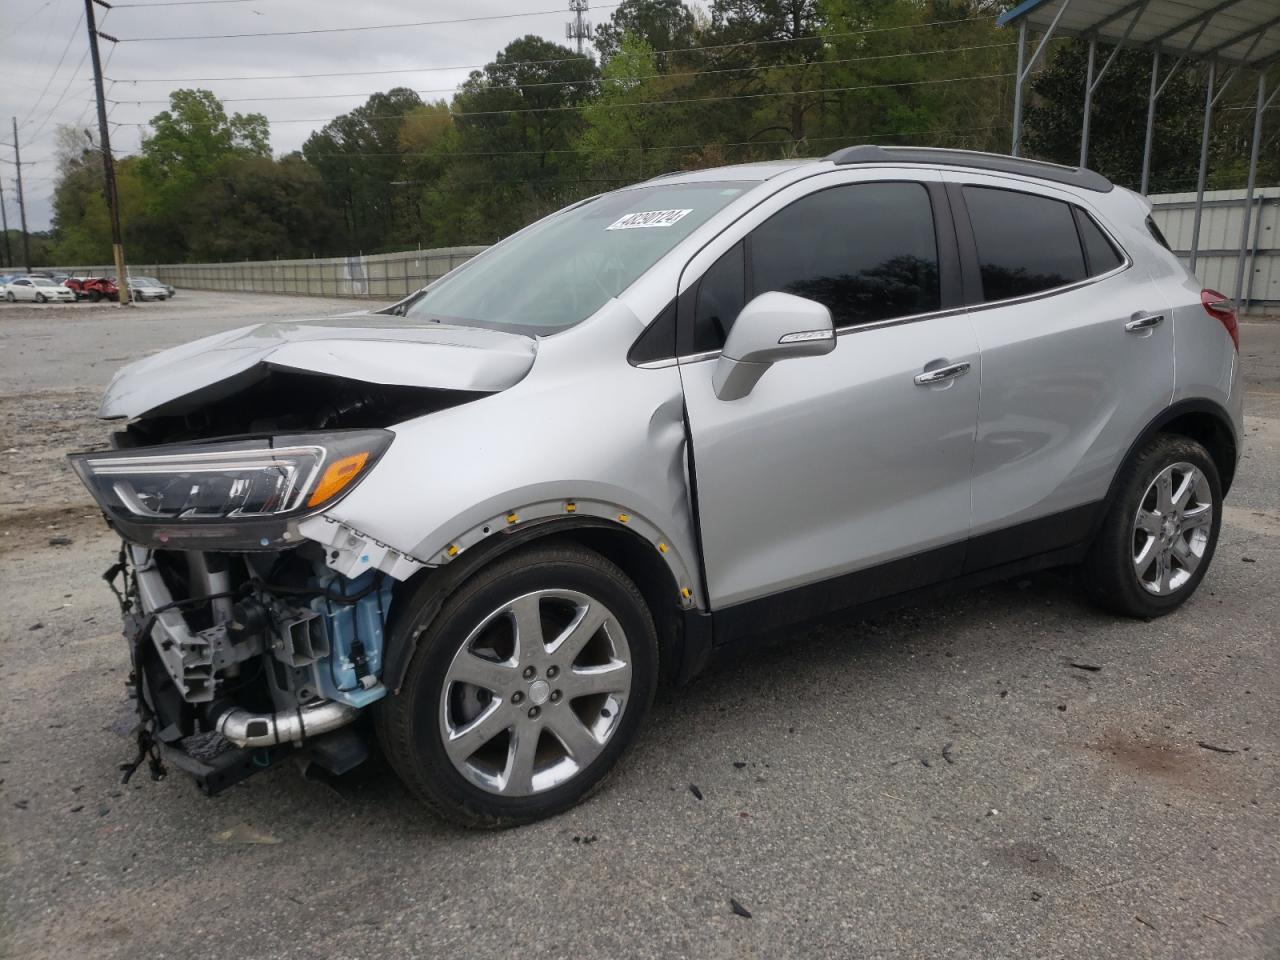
x: 1006, y: 773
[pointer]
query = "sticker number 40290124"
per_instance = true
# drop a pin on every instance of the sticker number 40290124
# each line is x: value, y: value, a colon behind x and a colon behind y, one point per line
x: 648, y: 218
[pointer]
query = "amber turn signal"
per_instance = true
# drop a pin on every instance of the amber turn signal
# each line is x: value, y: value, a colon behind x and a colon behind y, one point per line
x: 337, y: 476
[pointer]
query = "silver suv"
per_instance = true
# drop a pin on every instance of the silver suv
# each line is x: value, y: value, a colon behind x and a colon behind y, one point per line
x: 661, y: 421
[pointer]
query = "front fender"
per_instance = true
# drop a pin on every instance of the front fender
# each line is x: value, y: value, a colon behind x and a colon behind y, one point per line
x: 584, y: 433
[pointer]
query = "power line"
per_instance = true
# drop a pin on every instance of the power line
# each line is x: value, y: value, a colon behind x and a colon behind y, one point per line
x: 172, y: 3
x: 655, y: 103
x: 380, y: 26
x: 651, y: 76
x: 534, y: 63
x: 49, y: 82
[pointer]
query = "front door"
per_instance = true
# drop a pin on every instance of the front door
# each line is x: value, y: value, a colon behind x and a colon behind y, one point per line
x: 836, y: 464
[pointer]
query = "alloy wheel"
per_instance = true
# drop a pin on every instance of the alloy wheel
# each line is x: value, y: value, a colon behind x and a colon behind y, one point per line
x: 535, y: 692
x: 1171, y: 528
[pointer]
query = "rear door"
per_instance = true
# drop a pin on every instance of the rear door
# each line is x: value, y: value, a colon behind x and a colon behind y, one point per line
x: 1077, y: 356
x: 838, y: 463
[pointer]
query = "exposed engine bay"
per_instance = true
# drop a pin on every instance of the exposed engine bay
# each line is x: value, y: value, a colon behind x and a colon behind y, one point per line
x: 240, y: 659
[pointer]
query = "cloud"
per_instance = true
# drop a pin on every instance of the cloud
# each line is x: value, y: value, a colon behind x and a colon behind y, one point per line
x: 37, y: 31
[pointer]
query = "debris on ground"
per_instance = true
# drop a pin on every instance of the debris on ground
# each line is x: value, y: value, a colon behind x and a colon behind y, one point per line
x: 946, y: 752
x: 1091, y: 667
x: 739, y: 764
x: 243, y: 833
x: 1215, y: 749
x: 739, y: 909
x: 1248, y: 560
x: 60, y: 541
x: 586, y: 841
x: 693, y: 788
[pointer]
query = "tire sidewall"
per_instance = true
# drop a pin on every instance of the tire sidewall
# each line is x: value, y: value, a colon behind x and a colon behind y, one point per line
x: 1153, y: 460
x: 429, y: 767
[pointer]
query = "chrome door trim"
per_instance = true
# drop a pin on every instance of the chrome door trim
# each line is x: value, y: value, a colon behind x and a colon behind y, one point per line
x: 942, y: 374
x: 1139, y: 324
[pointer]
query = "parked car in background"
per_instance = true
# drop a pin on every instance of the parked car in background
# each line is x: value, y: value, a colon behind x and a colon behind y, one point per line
x: 151, y: 282
x: 93, y: 288
x: 650, y: 426
x: 37, y: 289
x: 144, y: 288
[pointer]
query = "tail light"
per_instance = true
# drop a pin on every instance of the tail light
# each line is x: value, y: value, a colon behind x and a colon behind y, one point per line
x: 1221, y: 309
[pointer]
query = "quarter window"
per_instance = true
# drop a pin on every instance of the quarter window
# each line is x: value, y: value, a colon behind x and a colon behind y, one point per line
x: 1099, y: 254
x: 866, y: 251
x: 721, y: 295
x: 1026, y: 243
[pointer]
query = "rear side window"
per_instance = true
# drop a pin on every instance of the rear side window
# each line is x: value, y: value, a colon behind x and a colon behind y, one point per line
x: 1026, y: 243
x: 866, y: 251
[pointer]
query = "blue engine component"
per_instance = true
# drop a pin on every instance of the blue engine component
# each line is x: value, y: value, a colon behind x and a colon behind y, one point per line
x: 355, y: 633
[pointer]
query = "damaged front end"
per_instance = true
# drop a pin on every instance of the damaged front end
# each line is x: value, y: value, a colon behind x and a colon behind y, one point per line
x: 244, y: 643
x: 251, y: 641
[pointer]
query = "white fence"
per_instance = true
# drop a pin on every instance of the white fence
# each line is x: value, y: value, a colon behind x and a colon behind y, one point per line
x: 1219, y: 249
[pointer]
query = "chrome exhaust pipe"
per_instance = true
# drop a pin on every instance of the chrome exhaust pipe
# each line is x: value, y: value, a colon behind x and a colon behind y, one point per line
x: 246, y: 729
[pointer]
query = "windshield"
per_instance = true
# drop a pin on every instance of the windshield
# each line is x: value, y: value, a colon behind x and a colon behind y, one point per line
x: 560, y: 271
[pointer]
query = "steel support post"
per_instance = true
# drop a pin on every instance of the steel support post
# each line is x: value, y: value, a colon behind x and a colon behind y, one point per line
x: 1261, y: 104
x: 1088, y: 101
x: 1017, y: 89
x: 1152, y: 96
x: 1204, y: 164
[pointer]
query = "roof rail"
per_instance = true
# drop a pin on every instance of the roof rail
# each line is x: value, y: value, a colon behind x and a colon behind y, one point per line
x: 938, y: 156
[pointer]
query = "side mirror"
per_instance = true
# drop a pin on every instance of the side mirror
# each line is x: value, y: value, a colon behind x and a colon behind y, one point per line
x: 774, y: 326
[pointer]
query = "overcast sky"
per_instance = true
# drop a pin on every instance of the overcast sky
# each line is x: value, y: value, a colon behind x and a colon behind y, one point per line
x: 35, y: 33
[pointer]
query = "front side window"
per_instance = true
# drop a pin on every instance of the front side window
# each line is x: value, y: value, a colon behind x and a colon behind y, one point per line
x: 1026, y: 243
x: 866, y: 251
x: 560, y: 271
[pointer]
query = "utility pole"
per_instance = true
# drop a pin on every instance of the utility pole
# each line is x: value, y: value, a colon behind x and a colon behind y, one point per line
x: 4, y: 221
x: 22, y: 207
x: 104, y: 141
x: 579, y: 28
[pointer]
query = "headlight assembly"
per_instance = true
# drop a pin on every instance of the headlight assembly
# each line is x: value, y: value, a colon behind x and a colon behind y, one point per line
x: 236, y: 494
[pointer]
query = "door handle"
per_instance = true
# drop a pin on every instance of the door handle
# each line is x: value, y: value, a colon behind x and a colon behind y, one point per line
x: 941, y: 374
x: 1138, y: 324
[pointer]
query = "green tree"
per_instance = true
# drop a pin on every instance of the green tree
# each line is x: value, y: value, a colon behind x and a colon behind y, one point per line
x: 360, y: 157
x: 661, y: 24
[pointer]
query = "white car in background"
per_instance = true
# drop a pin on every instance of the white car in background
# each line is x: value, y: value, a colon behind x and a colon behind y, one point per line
x: 153, y: 282
x: 39, y: 289
x: 144, y: 288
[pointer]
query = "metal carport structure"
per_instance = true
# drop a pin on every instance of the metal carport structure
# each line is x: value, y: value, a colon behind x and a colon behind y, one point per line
x: 1227, y: 35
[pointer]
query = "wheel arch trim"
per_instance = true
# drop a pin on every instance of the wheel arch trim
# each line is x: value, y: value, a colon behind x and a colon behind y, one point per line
x: 1168, y: 415
x: 484, y: 543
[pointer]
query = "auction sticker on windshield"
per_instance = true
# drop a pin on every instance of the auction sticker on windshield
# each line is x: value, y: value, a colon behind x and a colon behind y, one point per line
x: 648, y: 218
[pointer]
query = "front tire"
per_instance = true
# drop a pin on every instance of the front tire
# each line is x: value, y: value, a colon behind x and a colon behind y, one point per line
x: 524, y: 690
x: 1160, y: 532
x: 41, y: 298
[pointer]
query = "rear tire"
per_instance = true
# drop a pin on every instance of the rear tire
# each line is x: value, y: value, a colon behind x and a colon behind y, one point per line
x: 10, y: 297
x: 1160, y: 532
x: 524, y: 690
x: 41, y: 298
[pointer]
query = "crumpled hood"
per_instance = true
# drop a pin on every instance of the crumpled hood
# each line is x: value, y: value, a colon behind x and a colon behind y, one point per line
x: 374, y: 348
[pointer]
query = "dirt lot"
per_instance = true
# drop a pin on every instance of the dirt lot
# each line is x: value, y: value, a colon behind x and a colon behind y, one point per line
x: 1003, y: 774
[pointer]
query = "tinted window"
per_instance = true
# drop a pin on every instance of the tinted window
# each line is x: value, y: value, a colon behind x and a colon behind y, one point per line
x: 1025, y: 243
x: 721, y: 295
x: 1099, y: 255
x: 1157, y: 235
x: 867, y: 251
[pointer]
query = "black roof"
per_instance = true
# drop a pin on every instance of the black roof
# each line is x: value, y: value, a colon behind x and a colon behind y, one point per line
x: 937, y: 156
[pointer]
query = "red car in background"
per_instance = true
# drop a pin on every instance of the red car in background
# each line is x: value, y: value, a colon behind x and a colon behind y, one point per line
x: 93, y: 288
